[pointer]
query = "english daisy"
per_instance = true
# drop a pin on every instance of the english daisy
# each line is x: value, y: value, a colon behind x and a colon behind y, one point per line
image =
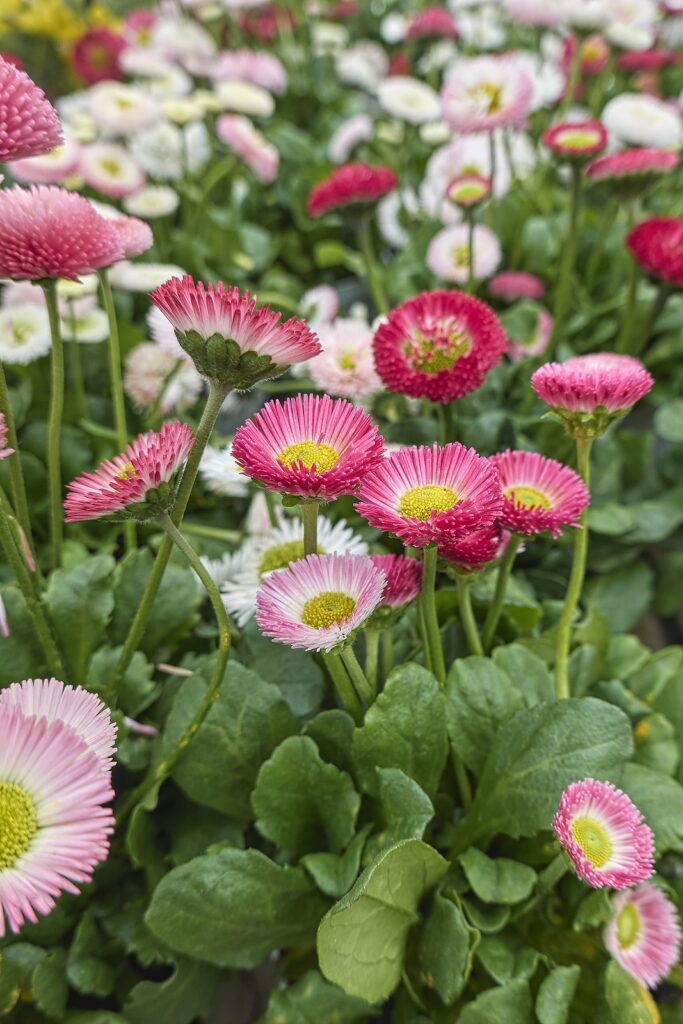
x: 448, y: 255
x: 154, y: 376
x: 29, y: 124
x: 604, y: 835
x: 151, y: 202
x: 540, y: 494
x: 121, y: 109
x: 85, y: 323
x: 476, y: 549
x: 657, y: 245
x: 632, y: 171
x: 245, y: 98
x: 483, y: 93
x: 576, y: 140
x: 636, y: 119
x: 432, y: 23
x: 142, y: 277
x: 350, y: 133
x: 345, y: 368
x: 468, y: 190
x: 353, y: 184
x: 409, y: 99
x: 644, y: 934
x: 511, y: 285
x: 109, y: 168
x: 48, y: 168
x: 24, y: 333
x: 221, y: 474
x: 403, y: 579
x: 247, y: 142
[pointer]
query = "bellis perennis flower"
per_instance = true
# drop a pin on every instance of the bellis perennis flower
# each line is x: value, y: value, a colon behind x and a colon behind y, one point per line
x: 631, y: 171
x: 404, y: 580
x: 540, y: 494
x: 643, y: 934
x: 483, y: 93
x: 576, y: 140
x: 657, y: 244
x: 351, y: 185
x: 29, y: 124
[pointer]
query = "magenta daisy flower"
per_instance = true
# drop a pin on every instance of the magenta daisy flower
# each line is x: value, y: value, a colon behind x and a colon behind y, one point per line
x: 82, y: 711
x: 227, y: 336
x: 29, y: 125
x: 511, y: 285
x: 431, y: 495
x: 576, y: 140
x: 354, y: 184
x: 476, y: 549
x: 310, y: 445
x: 657, y: 245
x: 49, y: 232
x: 630, y: 171
x: 4, y: 452
x: 139, y: 484
x: 438, y: 345
x: 319, y: 601
x: 604, y: 834
x: 643, y: 934
x: 540, y: 494
x: 403, y: 578
x: 54, y: 826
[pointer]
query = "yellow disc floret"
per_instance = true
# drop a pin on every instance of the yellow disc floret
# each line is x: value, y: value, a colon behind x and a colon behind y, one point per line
x: 18, y: 823
x: 593, y: 839
x: 527, y: 496
x: 280, y: 555
x: 420, y: 502
x: 127, y: 472
x: 330, y: 608
x: 309, y: 453
x: 628, y: 926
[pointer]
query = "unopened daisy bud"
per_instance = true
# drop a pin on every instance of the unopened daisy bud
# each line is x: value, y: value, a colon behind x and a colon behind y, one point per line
x: 469, y: 190
x: 403, y: 585
x: 576, y: 141
x: 643, y: 934
x: 631, y: 172
x: 474, y: 551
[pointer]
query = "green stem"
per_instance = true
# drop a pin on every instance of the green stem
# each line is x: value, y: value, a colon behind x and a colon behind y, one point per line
x: 462, y: 779
x: 374, y: 274
x: 310, y: 513
x: 272, y: 511
x: 467, y: 616
x: 116, y: 384
x: 360, y: 683
x: 343, y: 686
x: 54, y: 428
x: 573, y: 80
x: 470, y: 250
x: 496, y: 606
x: 372, y: 640
x: 15, y: 468
x: 576, y: 578
x: 622, y: 343
x: 211, y: 532
x: 76, y: 375
x: 564, y: 281
x: 387, y: 651
x: 428, y: 602
x: 656, y: 309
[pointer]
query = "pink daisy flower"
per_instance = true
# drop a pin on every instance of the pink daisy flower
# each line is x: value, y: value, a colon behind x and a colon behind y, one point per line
x: 432, y: 23
x: 136, y: 484
x: 540, y: 494
x: 483, y: 93
x: 48, y: 168
x: 431, y: 495
x: 82, y: 711
x: 438, y: 345
x: 319, y: 601
x: 345, y: 368
x: 469, y: 189
x: 309, y: 445
x: 643, y: 934
x: 4, y: 452
x: 97, y: 53
x: 632, y: 169
x: 511, y: 285
x: 54, y: 826
x: 250, y: 145
x: 535, y: 342
x: 476, y: 549
x: 48, y: 232
x: 403, y: 578
x: 576, y: 140
x: 350, y: 185
x: 604, y: 834
x: 136, y: 236
x: 657, y: 244
x: 29, y: 124
x: 448, y: 255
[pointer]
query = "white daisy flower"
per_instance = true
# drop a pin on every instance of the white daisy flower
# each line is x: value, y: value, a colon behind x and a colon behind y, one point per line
x: 142, y: 277
x: 88, y: 326
x: 24, y: 333
x: 163, y: 149
x: 152, y: 201
x: 221, y: 474
x: 636, y: 119
x: 409, y: 99
x: 120, y: 109
x: 245, y: 98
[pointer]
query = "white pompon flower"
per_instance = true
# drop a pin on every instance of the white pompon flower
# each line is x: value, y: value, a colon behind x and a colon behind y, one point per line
x: 24, y: 333
x: 637, y: 119
x: 151, y: 202
x: 163, y: 149
x: 363, y: 65
x: 120, y: 109
x: 409, y: 99
x: 86, y: 324
x: 152, y: 375
x: 142, y: 277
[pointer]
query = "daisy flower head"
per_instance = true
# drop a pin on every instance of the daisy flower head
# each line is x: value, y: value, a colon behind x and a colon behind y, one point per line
x: 97, y: 53
x: 588, y: 392
x: 29, y: 124
x: 109, y: 168
x: 345, y: 368
x: 311, y: 446
x: 24, y: 333
x: 49, y: 168
x: 151, y: 202
x: 121, y: 109
x: 154, y: 377
x: 431, y: 495
x: 139, y: 484
x: 48, y: 232
x: 354, y: 184
x: 432, y: 23
x: 604, y: 834
x: 4, y: 452
x: 475, y: 550
x: 541, y: 495
x: 657, y: 245
x: 636, y: 119
x: 228, y: 337
x: 468, y: 190
x: 576, y: 140
x: 320, y: 304
x: 438, y: 345
x: 483, y: 93
x: 317, y: 603
x: 247, y: 142
x: 136, y: 236
x: 221, y: 474
x: 511, y: 285
x: 409, y: 99
x: 404, y: 581
x: 644, y: 934
x: 448, y: 256
x: 630, y: 172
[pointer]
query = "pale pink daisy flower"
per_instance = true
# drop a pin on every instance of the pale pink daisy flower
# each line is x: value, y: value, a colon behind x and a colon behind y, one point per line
x: 48, y: 168
x: 545, y: 13
x: 540, y: 494
x: 136, y: 484
x: 510, y: 285
x: 431, y: 495
x: 55, y: 701
x: 320, y: 305
x: 4, y: 452
x: 55, y: 826
x: 256, y: 66
x: 29, y: 124
x: 48, y: 232
x: 110, y: 169
x: 644, y: 934
x: 350, y: 133
x: 319, y: 601
x: 483, y: 93
x: 345, y: 367
x: 604, y: 834
x: 247, y: 142
x: 136, y: 236
x: 153, y: 375
x: 403, y: 578
x: 448, y: 253
x: 309, y: 445
x: 536, y: 341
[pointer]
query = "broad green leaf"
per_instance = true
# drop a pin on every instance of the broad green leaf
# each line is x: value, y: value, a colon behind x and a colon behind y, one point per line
x: 87, y: 970
x: 528, y: 673
x: 556, y: 993
x: 49, y: 985
x: 510, y: 1004
x: 362, y: 939
x: 656, y: 744
x: 301, y: 803
x: 629, y: 1002
x: 333, y: 873
x: 497, y: 880
x: 333, y: 732
x: 20, y: 655
x: 10, y: 985
x: 190, y: 992
x: 445, y: 949
x: 80, y: 603
x: 193, y: 829
x: 234, y: 907
x: 659, y: 798
x: 505, y: 958
x: 241, y: 730
x: 312, y: 1000
x: 406, y: 808
x: 594, y: 910
x: 175, y: 605
x: 622, y: 596
x: 405, y: 728
x: 137, y: 689
x: 295, y: 673
x: 486, y: 917
x: 536, y: 755
x: 479, y: 699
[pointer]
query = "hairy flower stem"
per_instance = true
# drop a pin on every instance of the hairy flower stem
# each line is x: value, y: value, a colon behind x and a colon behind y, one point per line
x: 372, y: 639
x: 116, y: 384
x: 431, y: 622
x: 16, y: 472
x: 573, y: 80
x: 360, y: 683
x: 573, y: 595
x: 564, y: 282
x: 622, y: 343
x: 496, y: 606
x: 310, y: 513
x: 343, y: 686
x: 217, y: 394
x: 372, y: 269
x: 469, y: 216
x: 467, y: 618
x: 54, y: 428
x: 387, y: 651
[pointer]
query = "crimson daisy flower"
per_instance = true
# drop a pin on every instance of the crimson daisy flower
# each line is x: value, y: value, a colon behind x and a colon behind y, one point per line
x: 631, y: 171
x: 476, y: 549
x: 403, y: 579
x: 540, y: 494
x: 657, y: 245
x: 432, y: 23
x: 352, y: 184
x: 576, y: 140
x: 438, y: 345
x: 29, y: 125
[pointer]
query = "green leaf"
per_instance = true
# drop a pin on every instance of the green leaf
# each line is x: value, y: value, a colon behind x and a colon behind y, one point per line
x: 135, y: 691
x: 487, y: 918
x: 10, y: 985
x: 594, y: 910
x: 659, y: 798
x: 535, y: 757
x: 622, y: 596
x: 669, y: 421
x: 445, y: 949
x: 245, y: 724
x: 295, y: 673
x: 629, y: 1002
x: 479, y: 699
x: 497, y: 881
x: 49, y: 985
x: 405, y: 728
x: 510, y: 1004
x: 312, y: 1000
x: 406, y: 807
x: 174, y: 608
x: 301, y: 803
x: 505, y: 958
x: 190, y: 992
x: 334, y: 874
x: 333, y: 733
x: 87, y: 971
x: 362, y: 939
x: 527, y: 672
x: 234, y: 907
x: 556, y: 993
x: 80, y: 602
x: 20, y: 656
x: 656, y: 744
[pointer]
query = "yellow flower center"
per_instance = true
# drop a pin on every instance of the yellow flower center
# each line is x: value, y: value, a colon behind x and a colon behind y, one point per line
x: 347, y: 361
x: 527, y: 496
x: 127, y: 472
x: 460, y: 256
x: 309, y: 453
x: 578, y: 139
x: 112, y: 167
x: 593, y: 839
x: 628, y: 926
x: 489, y: 95
x: 446, y: 343
x: 18, y: 823
x: 420, y: 502
x: 467, y: 192
x: 330, y: 608
x: 280, y: 555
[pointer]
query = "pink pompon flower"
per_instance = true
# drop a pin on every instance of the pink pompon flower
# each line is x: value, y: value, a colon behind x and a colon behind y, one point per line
x: 483, y: 93
x: 644, y: 934
x: 48, y: 168
x: 432, y: 22
x: 250, y: 145
x: 48, y: 232
x: 97, y: 53
x: 349, y: 185
x: 4, y: 452
x: 632, y: 170
x: 136, y: 236
x: 604, y: 834
x: 149, y: 464
x: 29, y: 124
x: 55, y: 826
x: 309, y: 445
x: 657, y: 244
x: 594, y: 387
x: 438, y: 345
x: 511, y: 285
x: 403, y: 578
x: 468, y: 189
x: 256, y: 66
x: 82, y: 711
x: 541, y: 495
x: 431, y: 495
x: 576, y: 140
x: 476, y: 549
x: 319, y: 601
